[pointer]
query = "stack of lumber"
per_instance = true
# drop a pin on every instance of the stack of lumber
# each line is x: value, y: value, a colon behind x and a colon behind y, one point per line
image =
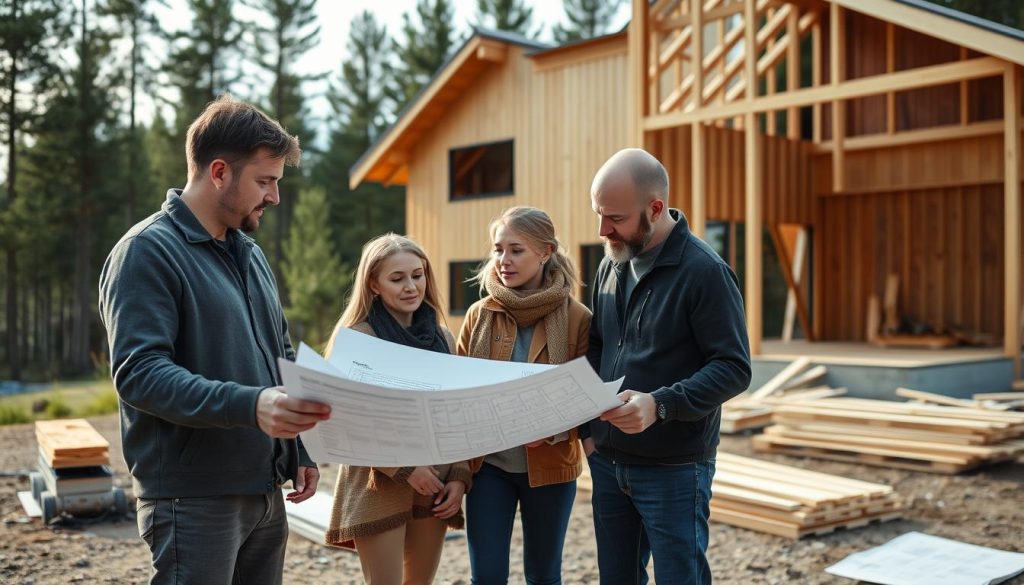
x: 1001, y: 400
x: 922, y: 437
x: 71, y: 443
x: 753, y: 410
x: 792, y: 502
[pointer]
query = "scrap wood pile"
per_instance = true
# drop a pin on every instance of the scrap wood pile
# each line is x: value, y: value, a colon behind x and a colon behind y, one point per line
x: 70, y: 443
x: 938, y: 438
x: 792, y: 502
x: 797, y: 382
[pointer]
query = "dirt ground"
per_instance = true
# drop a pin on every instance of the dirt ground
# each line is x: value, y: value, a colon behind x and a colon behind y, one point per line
x: 984, y: 508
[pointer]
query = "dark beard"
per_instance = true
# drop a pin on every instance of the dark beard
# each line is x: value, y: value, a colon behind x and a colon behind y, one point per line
x: 643, y: 237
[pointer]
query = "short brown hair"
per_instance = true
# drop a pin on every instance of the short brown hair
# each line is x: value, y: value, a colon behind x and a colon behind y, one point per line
x: 234, y: 130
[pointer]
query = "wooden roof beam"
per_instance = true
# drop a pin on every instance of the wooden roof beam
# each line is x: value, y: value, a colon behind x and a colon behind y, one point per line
x: 860, y: 87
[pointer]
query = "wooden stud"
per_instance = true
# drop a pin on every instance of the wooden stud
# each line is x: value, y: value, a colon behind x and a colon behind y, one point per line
x: 890, y: 67
x: 837, y: 55
x: 965, y: 112
x: 753, y: 189
x: 697, y: 51
x: 637, y: 93
x: 793, y: 72
x: 1011, y: 217
x: 816, y: 70
x: 698, y: 190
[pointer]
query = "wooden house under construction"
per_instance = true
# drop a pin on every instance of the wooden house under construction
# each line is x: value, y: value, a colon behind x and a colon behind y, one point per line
x: 858, y: 162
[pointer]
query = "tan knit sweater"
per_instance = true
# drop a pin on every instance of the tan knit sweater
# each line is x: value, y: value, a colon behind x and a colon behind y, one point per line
x: 372, y: 500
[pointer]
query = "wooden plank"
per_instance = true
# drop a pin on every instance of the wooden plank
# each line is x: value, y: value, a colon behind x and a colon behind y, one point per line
x: 874, y: 318
x: 785, y: 264
x: 806, y: 378
x: 698, y: 186
x: 638, y: 85
x: 837, y: 72
x: 892, y: 316
x: 860, y: 87
x: 66, y: 437
x: 1011, y: 218
x: 799, y: 255
x: 753, y: 187
x: 936, y: 398
x: 793, y: 72
x: 917, y: 341
x: 999, y: 396
x: 779, y: 380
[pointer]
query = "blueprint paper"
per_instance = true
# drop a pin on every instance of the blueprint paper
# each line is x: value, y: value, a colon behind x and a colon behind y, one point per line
x: 374, y: 425
x: 921, y: 559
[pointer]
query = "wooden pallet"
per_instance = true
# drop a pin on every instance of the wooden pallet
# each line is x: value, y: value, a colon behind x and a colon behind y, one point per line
x: 71, y: 443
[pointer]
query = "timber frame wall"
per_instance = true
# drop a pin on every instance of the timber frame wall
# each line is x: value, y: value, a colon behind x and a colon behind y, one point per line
x: 911, y: 164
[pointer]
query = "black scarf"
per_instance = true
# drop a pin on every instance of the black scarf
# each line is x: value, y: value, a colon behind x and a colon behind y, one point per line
x: 422, y: 334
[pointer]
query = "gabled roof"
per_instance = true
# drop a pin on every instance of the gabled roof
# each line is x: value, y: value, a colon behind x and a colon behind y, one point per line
x: 385, y: 161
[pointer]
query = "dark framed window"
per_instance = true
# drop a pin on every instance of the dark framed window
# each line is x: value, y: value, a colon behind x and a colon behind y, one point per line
x: 462, y: 294
x: 481, y: 170
x: 590, y: 258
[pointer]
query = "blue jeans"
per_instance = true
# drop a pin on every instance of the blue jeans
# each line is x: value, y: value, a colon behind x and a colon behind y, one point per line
x: 491, y: 512
x: 643, y: 508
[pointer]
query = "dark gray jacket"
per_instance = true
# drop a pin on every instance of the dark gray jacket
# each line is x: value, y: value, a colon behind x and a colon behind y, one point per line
x: 681, y: 336
x: 193, y: 341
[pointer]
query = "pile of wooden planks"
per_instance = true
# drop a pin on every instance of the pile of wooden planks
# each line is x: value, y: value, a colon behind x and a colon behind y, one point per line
x: 753, y: 410
x: 71, y: 443
x: 792, y: 502
x: 922, y: 437
x: 1001, y: 400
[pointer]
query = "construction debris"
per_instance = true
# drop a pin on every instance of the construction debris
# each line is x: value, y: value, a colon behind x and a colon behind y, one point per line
x: 921, y: 437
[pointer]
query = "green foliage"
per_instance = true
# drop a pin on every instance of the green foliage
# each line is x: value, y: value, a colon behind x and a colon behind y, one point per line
x: 104, y: 403
x: 510, y: 15
x: 11, y: 415
x: 587, y: 19
x: 426, y: 45
x: 314, y: 274
x: 58, y: 408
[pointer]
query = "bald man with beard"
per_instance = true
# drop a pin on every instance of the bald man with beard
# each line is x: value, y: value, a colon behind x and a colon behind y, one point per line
x: 668, y: 316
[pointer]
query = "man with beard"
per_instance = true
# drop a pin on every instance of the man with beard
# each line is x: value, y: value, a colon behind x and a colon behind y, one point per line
x: 195, y: 329
x: 668, y: 317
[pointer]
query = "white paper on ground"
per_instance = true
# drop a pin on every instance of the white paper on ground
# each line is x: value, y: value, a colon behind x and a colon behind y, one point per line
x: 922, y: 559
x: 373, y: 425
x: 30, y: 505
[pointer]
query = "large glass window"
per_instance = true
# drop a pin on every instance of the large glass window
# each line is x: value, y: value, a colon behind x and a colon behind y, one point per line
x: 481, y: 170
x: 462, y: 294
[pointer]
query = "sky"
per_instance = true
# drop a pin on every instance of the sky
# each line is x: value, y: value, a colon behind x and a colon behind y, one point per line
x: 335, y: 16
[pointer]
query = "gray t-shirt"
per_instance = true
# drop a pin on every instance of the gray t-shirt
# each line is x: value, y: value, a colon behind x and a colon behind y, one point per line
x: 640, y: 265
x: 514, y: 460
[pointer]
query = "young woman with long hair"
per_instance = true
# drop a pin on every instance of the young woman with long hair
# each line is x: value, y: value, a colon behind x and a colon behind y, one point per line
x: 396, y: 517
x: 528, y: 315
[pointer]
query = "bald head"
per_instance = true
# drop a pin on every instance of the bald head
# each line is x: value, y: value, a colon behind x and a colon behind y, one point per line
x: 635, y: 166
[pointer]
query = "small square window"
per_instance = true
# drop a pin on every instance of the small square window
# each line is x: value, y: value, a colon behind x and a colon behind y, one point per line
x: 462, y: 294
x: 481, y: 170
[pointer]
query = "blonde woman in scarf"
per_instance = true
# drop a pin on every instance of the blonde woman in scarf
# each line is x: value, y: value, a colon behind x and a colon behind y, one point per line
x: 528, y: 315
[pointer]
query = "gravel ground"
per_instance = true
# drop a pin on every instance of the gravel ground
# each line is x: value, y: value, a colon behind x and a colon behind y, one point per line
x: 984, y: 508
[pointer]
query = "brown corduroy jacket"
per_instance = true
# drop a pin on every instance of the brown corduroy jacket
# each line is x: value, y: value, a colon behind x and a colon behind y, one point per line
x: 547, y: 463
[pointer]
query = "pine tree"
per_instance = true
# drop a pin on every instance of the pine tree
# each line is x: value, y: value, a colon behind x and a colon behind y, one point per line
x: 313, y: 273
x: 587, y: 19
x: 291, y: 31
x: 363, y: 99
x: 428, y: 43
x: 30, y: 33
x: 509, y: 15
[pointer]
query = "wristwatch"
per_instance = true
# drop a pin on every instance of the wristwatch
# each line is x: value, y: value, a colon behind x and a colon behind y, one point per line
x: 662, y: 408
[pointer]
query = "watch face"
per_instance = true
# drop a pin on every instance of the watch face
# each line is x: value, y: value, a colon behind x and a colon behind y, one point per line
x: 662, y: 411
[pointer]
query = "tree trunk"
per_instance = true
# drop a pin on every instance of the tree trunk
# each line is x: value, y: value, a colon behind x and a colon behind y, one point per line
x: 133, y: 139
x: 13, y: 358
x: 82, y: 272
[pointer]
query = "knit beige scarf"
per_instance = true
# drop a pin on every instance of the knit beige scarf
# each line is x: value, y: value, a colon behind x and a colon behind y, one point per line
x: 550, y: 302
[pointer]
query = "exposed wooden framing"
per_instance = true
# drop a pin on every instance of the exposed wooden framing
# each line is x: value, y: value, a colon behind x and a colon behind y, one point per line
x: 799, y: 256
x: 925, y: 135
x: 1011, y: 216
x: 654, y: 91
x: 697, y: 50
x: 837, y: 69
x: 860, y: 87
x: 671, y: 24
x: 890, y: 66
x: 670, y: 55
x: 965, y: 111
x: 816, y: 69
x: 793, y: 72
x: 663, y: 7
x: 769, y: 73
x: 942, y: 27
x: 636, y: 93
x: 753, y: 188
x: 698, y: 195
x: 785, y: 263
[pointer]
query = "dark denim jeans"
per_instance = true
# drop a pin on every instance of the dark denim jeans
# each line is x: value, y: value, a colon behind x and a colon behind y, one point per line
x: 491, y: 512
x: 643, y: 508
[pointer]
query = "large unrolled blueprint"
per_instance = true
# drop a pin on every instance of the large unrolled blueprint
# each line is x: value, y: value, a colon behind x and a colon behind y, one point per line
x: 375, y: 425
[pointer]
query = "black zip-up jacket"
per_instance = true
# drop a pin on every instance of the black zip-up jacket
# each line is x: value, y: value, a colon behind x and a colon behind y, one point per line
x: 681, y: 336
x: 193, y: 342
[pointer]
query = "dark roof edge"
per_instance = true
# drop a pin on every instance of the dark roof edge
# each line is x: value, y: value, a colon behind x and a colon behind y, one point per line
x: 966, y: 18
x: 542, y: 52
